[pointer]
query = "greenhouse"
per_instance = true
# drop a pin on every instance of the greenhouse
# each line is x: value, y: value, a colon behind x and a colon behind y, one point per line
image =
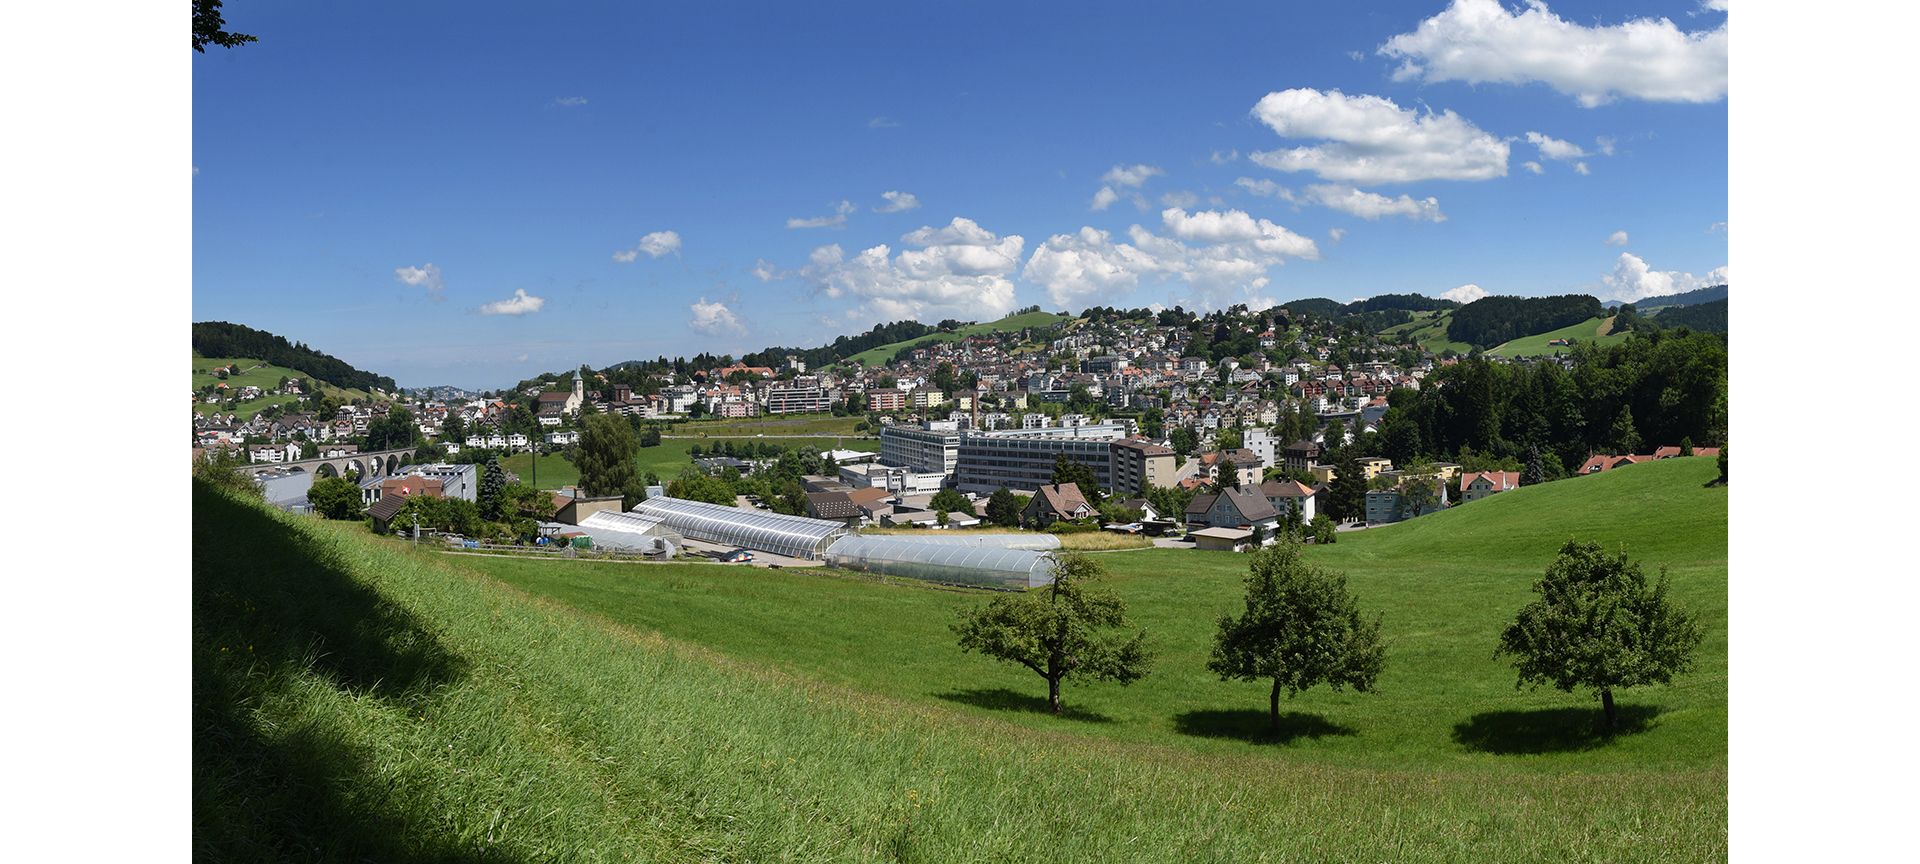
x: 611, y: 529
x: 1037, y: 542
x: 793, y: 536
x: 953, y: 563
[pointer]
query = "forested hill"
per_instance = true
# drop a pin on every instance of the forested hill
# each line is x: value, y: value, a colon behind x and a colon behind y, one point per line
x: 1695, y: 297
x: 1709, y: 317
x: 221, y: 339
x: 1491, y: 321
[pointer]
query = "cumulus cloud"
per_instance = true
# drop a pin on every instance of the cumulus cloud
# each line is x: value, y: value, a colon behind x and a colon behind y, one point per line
x: 1235, y: 226
x: 1534, y: 167
x: 1554, y: 148
x: 1632, y: 280
x: 653, y: 245
x: 1370, y: 140
x: 1372, y: 205
x: 1481, y: 41
x: 898, y: 202
x: 837, y: 220
x: 1104, y: 198
x: 959, y: 271
x: 425, y: 276
x: 1130, y: 175
x: 1617, y: 238
x: 1222, y: 157
x: 1581, y: 168
x: 1464, y: 294
x: 1337, y: 234
x: 1076, y: 266
x: 714, y: 319
x: 519, y: 304
x: 767, y: 271
x: 1264, y: 188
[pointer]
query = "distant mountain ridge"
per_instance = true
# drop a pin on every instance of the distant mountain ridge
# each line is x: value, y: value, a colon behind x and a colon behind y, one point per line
x: 224, y: 339
x: 1685, y: 298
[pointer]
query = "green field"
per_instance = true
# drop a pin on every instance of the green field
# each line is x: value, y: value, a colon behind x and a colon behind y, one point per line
x: 667, y: 460
x: 382, y: 703
x: 1429, y: 331
x: 258, y: 374
x: 885, y: 353
x: 793, y: 424
x: 1536, y: 345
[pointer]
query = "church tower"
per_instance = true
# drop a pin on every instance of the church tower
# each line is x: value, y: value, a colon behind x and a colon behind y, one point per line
x: 579, y: 396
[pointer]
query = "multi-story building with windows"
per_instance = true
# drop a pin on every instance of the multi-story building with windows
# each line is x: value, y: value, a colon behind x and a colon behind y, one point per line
x: 797, y: 400
x: 1139, y: 464
x: 931, y: 448
x: 1023, y: 459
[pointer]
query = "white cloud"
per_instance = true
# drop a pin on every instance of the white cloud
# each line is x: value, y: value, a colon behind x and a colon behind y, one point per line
x: 1371, y: 205
x: 838, y: 219
x: 1632, y: 280
x: 1715, y: 5
x: 1554, y: 148
x: 1104, y: 198
x: 570, y: 101
x: 1337, y: 234
x: 1356, y: 56
x: 1235, y: 226
x: 1369, y: 140
x: 519, y: 304
x: 883, y: 123
x: 654, y: 245
x: 1076, y: 266
x: 959, y: 271
x: 1130, y: 175
x: 1264, y: 188
x: 1581, y: 168
x: 766, y: 271
x: 1717, y: 228
x: 1222, y: 157
x: 425, y: 276
x: 1480, y: 41
x: 1179, y: 198
x: 1605, y: 144
x: 1534, y: 167
x: 1464, y: 294
x: 714, y: 319
x: 522, y: 358
x: 898, y: 202
x: 1617, y: 238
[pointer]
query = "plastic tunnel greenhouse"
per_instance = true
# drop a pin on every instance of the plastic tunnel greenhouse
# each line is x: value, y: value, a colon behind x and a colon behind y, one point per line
x: 793, y: 536
x: 952, y: 563
x: 612, y: 529
x: 1038, y: 542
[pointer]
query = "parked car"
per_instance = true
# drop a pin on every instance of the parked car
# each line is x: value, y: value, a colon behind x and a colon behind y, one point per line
x: 737, y: 556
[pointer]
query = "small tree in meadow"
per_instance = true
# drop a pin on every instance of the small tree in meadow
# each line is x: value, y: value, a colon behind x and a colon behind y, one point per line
x: 1302, y: 628
x: 1063, y: 631
x: 1598, y: 624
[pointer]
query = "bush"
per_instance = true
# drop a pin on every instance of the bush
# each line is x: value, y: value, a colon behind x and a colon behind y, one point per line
x: 1065, y: 527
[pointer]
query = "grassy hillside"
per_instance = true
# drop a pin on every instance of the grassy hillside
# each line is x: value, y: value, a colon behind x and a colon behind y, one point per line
x: 1429, y: 331
x: 1591, y: 330
x: 261, y: 375
x: 354, y: 699
x: 885, y: 353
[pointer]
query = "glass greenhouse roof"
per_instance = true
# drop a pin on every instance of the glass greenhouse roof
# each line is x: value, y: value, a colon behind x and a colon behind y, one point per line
x: 961, y: 564
x: 793, y: 536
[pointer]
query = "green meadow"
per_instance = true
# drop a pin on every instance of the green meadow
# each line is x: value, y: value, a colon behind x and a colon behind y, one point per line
x: 1597, y: 330
x: 884, y: 354
x: 357, y: 699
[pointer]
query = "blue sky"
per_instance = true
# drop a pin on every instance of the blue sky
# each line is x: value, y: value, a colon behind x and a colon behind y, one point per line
x: 538, y: 158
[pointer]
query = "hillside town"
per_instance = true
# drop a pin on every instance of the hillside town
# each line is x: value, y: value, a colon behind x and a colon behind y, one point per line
x: 1222, y: 430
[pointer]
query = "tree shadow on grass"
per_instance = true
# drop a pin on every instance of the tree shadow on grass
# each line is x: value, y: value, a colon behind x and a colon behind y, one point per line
x: 1255, y: 726
x: 1549, y: 730
x: 1004, y: 699
x: 278, y: 619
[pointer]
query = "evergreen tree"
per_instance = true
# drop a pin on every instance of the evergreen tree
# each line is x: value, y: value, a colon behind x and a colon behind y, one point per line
x: 493, y: 483
x: 1347, y: 495
x: 1536, y: 471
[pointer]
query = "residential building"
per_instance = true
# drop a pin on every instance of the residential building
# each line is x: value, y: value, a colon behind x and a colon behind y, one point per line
x: 1301, y: 455
x: 1139, y: 465
x: 1261, y: 442
x: 797, y: 400
x: 1288, y: 497
x: 1475, y: 485
x: 1051, y: 504
x: 1233, y: 508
